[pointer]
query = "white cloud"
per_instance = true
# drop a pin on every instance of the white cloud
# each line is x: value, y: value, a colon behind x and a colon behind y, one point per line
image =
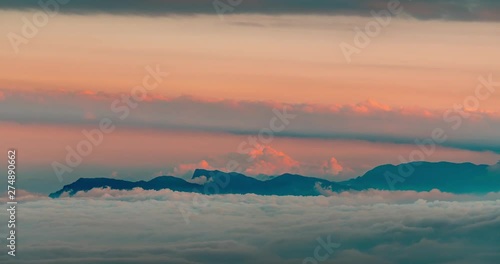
x: 200, y: 180
x: 22, y: 196
x: 110, y: 226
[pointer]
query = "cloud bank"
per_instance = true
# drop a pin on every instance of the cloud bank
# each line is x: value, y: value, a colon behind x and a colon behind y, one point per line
x: 254, y: 229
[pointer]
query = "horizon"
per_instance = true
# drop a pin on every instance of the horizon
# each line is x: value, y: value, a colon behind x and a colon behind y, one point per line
x: 264, y: 177
x: 224, y: 182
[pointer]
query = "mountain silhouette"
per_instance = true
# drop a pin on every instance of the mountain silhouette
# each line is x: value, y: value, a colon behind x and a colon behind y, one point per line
x: 418, y: 176
x: 425, y: 176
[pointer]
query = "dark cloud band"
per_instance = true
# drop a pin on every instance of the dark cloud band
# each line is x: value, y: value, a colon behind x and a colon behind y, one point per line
x: 365, y: 121
x: 467, y: 10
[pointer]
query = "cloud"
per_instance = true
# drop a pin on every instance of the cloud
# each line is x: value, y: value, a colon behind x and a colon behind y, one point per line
x: 479, y: 10
x: 260, y: 159
x: 183, y: 169
x: 379, y: 196
x: 367, y: 121
x: 330, y: 198
x: 263, y: 160
x: 130, y: 227
x: 267, y: 160
x: 332, y: 167
x: 200, y: 180
x: 23, y: 196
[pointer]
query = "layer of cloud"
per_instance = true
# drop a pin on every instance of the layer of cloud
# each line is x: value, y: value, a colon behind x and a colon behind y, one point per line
x: 254, y: 229
x: 22, y: 196
x: 329, y: 198
x: 369, y: 121
x: 478, y: 10
x: 378, y: 196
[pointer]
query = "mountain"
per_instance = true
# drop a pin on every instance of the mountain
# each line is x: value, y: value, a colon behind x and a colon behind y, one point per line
x: 425, y: 176
x: 217, y: 182
x: 285, y: 184
x: 417, y: 176
x: 158, y: 183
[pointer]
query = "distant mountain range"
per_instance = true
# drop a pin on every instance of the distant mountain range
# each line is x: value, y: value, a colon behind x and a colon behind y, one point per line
x: 417, y: 176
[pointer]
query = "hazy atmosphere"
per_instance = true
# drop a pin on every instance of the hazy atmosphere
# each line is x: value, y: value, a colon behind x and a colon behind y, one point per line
x: 244, y: 131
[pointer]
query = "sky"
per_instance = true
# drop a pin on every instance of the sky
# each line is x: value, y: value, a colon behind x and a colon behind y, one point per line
x: 136, y: 89
x: 222, y: 77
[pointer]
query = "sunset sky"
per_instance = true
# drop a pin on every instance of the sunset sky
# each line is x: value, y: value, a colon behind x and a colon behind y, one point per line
x: 229, y: 74
x: 250, y: 131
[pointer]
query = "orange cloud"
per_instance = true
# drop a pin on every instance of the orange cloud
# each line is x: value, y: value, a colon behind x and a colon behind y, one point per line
x: 269, y: 161
x: 183, y: 169
x: 332, y: 167
x: 265, y: 160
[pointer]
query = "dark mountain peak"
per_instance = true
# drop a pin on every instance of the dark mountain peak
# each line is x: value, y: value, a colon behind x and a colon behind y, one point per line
x: 164, y: 177
x: 289, y: 175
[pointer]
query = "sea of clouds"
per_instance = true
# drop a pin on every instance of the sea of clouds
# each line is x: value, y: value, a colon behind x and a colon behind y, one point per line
x: 137, y: 226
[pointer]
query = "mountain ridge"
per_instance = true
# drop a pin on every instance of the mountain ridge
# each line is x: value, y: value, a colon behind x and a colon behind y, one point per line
x: 418, y: 176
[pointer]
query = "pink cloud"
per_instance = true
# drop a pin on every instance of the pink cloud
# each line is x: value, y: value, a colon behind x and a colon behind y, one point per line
x: 370, y: 106
x: 265, y: 160
x: 365, y: 108
x: 182, y: 169
x: 269, y: 161
x: 332, y: 167
x: 368, y: 121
